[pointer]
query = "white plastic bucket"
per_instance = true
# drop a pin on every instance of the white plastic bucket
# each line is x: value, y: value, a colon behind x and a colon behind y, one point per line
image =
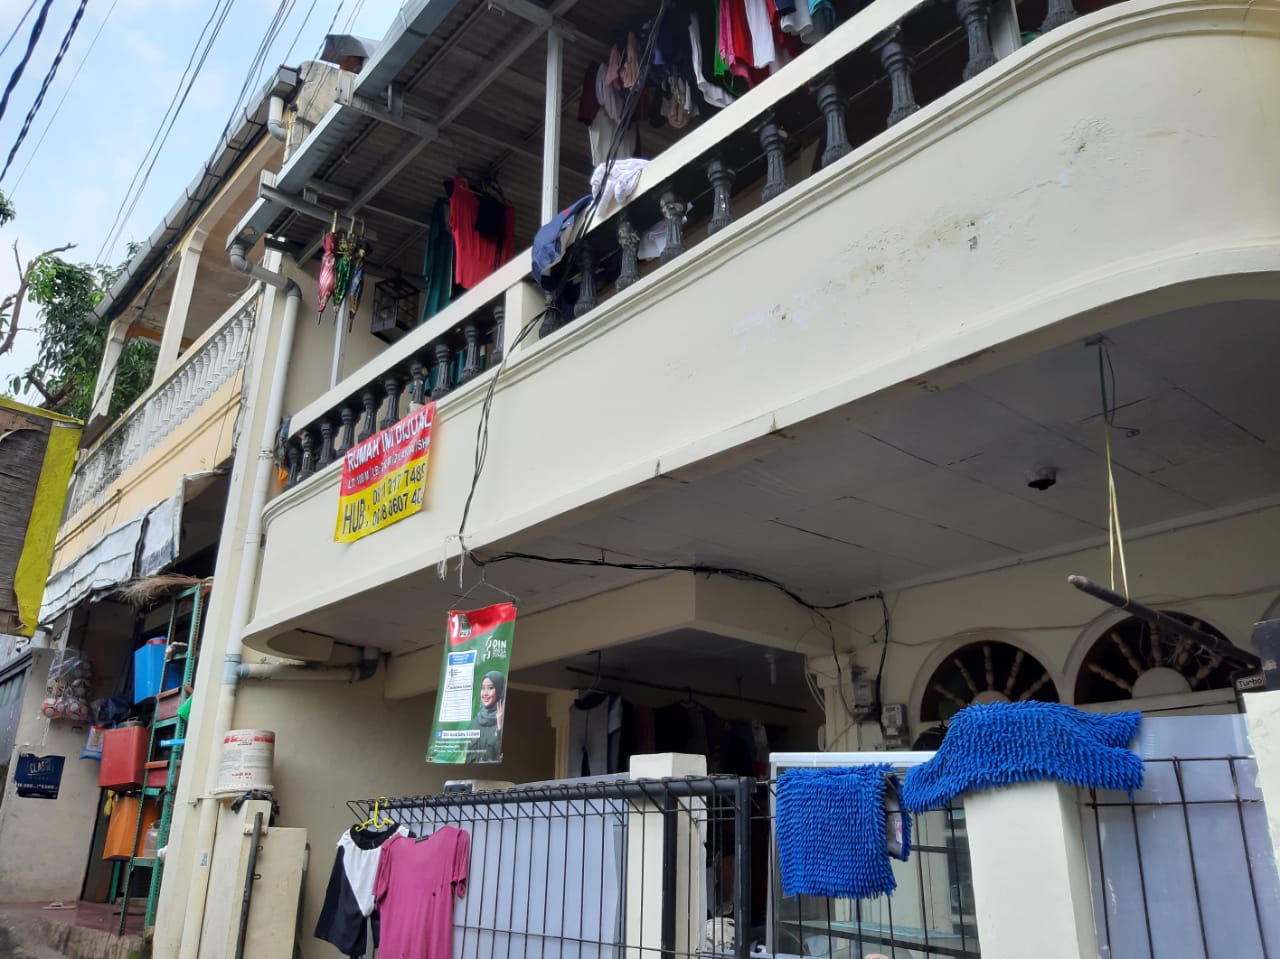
x: 248, y: 756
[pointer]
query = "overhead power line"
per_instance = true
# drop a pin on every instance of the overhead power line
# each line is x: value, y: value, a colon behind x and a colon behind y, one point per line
x: 36, y: 29
x: 62, y: 99
x: 44, y: 87
x: 18, y: 26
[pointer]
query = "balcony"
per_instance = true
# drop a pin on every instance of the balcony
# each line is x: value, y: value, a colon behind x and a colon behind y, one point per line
x: 178, y: 426
x: 883, y: 246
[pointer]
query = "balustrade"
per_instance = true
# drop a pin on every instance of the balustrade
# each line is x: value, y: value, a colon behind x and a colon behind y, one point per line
x: 205, y: 368
x: 748, y: 157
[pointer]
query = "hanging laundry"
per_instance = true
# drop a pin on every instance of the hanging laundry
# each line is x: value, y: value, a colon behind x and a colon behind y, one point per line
x: 613, y: 72
x: 764, y: 53
x: 630, y: 71
x: 1000, y: 744
x: 356, y: 289
x: 415, y: 889
x: 624, y: 177
x: 328, y: 272
x: 833, y: 832
x: 348, y: 899
x: 552, y: 239
x: 714, y: 94
x: 476, y: 254
x: 799, y: 23
x: 824, y: 17
x: 595, y: 731
x: 437, y: 261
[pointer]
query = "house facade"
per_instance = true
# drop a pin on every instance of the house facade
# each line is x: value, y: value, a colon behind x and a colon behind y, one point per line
x: 803, y: 427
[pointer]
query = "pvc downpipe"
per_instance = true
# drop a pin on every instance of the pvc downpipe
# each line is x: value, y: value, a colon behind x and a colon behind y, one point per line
x: 275, y: 118
x: 207, y: 828
x: 341, y: 674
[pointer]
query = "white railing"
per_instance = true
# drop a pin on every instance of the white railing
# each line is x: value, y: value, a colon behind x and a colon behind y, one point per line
x: 208, y: 365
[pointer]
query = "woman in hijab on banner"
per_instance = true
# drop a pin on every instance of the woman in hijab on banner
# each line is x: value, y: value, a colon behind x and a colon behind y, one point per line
x: 493, y: 693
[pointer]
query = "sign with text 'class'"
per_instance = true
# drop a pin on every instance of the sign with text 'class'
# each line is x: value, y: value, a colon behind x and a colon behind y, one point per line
x: 384, y: 478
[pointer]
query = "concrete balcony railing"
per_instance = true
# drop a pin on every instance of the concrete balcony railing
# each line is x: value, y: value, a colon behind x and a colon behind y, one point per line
x: 1029, y: 200
x: 217, y: 356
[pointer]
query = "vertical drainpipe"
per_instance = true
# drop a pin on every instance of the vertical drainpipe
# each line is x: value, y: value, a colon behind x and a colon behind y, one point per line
x: 207, y: 828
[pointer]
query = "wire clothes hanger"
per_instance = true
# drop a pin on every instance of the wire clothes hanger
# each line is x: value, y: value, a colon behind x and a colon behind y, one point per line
x: 483, y: 583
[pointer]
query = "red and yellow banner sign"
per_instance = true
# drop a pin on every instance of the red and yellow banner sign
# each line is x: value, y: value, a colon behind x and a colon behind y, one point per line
x: 384, y: 479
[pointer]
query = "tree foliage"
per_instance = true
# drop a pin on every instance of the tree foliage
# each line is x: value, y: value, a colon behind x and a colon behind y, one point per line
x: 72, y: 341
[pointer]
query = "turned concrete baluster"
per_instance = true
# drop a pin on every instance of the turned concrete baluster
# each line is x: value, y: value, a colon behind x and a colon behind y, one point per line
x: 1059, y: 12
x: 348, y: 437
x: 369, y: 426
x: 721, y: 177
x: 391, y: 386
x: 550, y: 316
x: 499, y: 333
x: 897, y: 63
x: 417, y: 383
x: 629, y: 241
x: 832, y: 105
x: 325, y: 456
x: 976, y: 17
x: 772, y: 140
x: 308, y: 456
x: 471, y: 352
x: 586, y: 280
x: 673, y: 210
x: 441, y: 379
x: 295, y: 465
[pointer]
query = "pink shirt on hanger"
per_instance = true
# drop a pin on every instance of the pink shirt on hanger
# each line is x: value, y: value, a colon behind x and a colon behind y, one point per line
x: 416, y: 884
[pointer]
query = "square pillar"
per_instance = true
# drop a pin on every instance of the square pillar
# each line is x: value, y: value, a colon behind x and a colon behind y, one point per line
x: 175, y: 323
x: 524, y: 302
x: 1262, y: 713
x: 653, y: 853
x: 1031, y: 882
x: 105, y: 387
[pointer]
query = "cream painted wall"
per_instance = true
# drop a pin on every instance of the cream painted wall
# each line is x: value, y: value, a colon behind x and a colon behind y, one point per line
x: 1224, y: 573
x: 46, y: 843
x: 1067, y: 234
x: 338, y: 741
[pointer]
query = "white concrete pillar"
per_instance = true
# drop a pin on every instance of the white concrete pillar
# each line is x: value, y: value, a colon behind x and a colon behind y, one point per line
x: 645, y: 866
x: 551, y: 127
x: 524, y: 302
x: 105, y: 387
x: 1030, y: 876
x: 1262, y: 713
x: 559, y: 702
x: 175, y: 323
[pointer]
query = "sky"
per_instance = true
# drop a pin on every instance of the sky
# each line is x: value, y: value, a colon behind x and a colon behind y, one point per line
x: 71, y: 175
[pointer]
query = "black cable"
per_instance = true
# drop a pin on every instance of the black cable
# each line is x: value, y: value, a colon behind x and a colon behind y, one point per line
x: 884, y: 654
x: 18, y: 26
x: 63, y: 99
x: 583, y: 224
x: 216, y: 19
x: 36, y: 29
x: 284, y: 9
x: 44, y: 86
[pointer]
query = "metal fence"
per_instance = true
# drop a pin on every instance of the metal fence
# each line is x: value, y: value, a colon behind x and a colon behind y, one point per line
x: 677, y: 868
x: 1185, y: 868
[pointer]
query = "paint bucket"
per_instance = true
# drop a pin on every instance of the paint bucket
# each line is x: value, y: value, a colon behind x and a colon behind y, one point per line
x: 247, y: 759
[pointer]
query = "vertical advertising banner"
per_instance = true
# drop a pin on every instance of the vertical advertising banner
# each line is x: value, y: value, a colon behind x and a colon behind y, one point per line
x: 472, y: 696
x: 384, y: 478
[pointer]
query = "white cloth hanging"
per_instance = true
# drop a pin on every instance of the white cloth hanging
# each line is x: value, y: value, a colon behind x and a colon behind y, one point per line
x: 713, y: 93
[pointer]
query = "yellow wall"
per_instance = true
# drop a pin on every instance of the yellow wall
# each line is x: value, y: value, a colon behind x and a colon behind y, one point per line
x: 200, y: 443
x: 340, y: 741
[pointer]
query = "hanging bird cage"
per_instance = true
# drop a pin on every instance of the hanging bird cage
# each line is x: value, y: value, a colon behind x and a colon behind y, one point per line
x: 395, y: 309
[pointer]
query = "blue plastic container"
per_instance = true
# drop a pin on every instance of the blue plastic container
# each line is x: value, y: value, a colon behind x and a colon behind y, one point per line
x: 148, y: 670
x: 173, y: 675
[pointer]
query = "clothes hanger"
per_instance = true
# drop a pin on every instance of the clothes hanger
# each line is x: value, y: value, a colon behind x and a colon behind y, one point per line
x: 482, y: 583
x: 378, y: 820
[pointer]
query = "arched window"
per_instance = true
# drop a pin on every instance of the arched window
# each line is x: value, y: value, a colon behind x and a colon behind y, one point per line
x: 984, y: 672
x: 1135, y: 660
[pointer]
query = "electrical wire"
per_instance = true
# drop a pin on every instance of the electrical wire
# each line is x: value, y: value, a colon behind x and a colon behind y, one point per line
x: 44, y: 86
x: 284, y: 9
x: 37, y: 28
x: 63, y: 99
x: 195, y: 63
x: 18, y: 26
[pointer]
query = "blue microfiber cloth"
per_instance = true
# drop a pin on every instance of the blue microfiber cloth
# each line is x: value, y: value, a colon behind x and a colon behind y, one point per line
x: 1000, y: 744
x: 831, y: 832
